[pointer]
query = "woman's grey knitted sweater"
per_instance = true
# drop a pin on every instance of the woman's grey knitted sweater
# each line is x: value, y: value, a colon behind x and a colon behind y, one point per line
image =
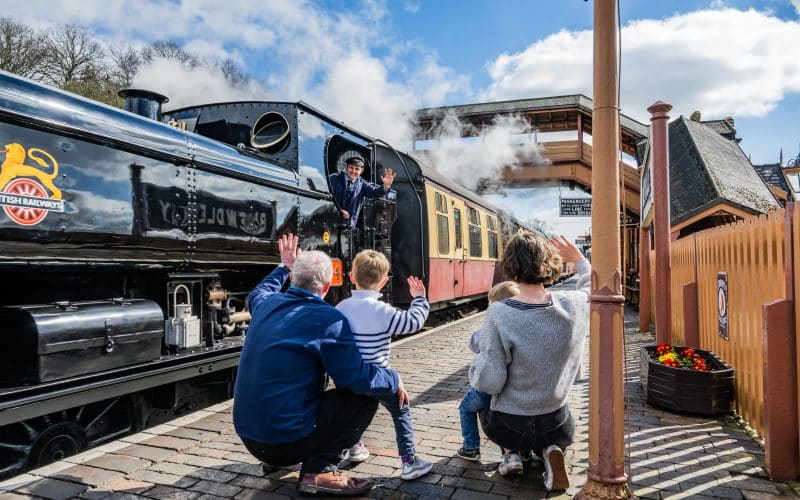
x: 529, y: 358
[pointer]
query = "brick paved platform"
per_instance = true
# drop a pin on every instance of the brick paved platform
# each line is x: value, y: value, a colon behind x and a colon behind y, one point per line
x: 199, y: 455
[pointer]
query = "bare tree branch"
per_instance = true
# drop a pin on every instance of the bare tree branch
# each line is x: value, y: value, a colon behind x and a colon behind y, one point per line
x: 21, y: 49
x: 72, y: 55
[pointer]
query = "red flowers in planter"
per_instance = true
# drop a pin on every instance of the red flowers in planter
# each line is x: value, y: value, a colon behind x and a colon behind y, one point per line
x: 686, y: 358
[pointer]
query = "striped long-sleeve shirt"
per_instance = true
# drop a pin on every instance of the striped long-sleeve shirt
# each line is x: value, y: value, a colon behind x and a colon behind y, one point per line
x: 374, y: 322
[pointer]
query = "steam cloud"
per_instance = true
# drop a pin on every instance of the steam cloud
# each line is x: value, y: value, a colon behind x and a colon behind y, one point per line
x: 479, y: 158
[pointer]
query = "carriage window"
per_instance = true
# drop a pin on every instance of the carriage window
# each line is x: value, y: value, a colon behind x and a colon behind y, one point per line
x: 491, y: 228
x: 475, y: 244
x: 457, y: 227
x: 442, y: 223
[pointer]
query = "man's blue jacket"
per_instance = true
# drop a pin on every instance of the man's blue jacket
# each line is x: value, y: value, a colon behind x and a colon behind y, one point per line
x: 353, y: 200
x: 294, y: 339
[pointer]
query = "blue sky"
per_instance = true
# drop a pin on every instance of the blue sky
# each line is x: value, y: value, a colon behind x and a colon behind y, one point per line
x: 371, y: 63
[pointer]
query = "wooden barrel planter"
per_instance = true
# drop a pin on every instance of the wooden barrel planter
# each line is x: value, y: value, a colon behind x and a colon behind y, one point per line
x: 685, y: 390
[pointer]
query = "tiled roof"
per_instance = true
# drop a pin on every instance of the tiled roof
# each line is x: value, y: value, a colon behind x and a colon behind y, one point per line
x: 707, y: 168
x: 772, y: 174
x: 722, y: 127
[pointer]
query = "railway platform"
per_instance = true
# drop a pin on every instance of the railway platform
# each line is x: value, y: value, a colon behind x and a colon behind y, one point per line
x: 199, y: 456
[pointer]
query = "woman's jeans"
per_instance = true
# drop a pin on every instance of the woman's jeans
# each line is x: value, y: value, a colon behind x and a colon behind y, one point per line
x: 535, y: 433
x: 473, y: 402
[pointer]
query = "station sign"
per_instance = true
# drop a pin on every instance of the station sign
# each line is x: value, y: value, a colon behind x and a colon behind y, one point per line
x: 575, y: 207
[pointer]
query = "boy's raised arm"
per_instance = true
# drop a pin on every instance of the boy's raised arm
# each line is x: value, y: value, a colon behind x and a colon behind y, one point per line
x: 414, y: 319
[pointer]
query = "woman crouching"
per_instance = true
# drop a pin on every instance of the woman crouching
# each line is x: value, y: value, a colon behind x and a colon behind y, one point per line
x: 531, y: 347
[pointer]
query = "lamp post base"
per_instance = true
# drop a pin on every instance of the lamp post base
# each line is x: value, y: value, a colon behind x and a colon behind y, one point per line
x: 593, y: 489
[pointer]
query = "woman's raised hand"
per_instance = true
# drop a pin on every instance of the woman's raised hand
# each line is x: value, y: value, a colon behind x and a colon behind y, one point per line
x: 569, y: 252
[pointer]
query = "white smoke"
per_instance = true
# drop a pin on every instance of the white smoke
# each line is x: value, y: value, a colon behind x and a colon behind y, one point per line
x: 186, y: 86
x: 475, y: 158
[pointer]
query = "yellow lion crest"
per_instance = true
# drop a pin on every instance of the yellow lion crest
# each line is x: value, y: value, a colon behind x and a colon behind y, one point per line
x: 14, y: 166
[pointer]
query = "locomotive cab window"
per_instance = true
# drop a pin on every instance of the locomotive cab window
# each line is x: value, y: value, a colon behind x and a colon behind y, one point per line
x: 442, y: 223
x: 491, y: 229
x: 475, y: 239
x: 339, y: 149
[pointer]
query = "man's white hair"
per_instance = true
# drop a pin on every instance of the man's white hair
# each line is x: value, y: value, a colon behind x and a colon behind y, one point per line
x: 312, y: 270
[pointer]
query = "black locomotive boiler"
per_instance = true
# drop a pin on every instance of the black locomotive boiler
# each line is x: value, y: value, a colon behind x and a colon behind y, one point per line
x: 129, y: 240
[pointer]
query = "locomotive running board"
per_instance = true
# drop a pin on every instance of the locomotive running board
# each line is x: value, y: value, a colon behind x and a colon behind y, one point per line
x: 25, y: 407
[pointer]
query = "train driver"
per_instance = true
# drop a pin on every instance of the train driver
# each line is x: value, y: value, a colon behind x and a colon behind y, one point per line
x: 349, y: 188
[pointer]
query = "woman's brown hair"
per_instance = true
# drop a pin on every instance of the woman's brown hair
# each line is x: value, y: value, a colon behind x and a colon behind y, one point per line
x: 530, y: 258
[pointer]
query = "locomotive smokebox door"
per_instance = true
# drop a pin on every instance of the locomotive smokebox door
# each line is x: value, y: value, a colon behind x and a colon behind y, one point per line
x: 68, y: 339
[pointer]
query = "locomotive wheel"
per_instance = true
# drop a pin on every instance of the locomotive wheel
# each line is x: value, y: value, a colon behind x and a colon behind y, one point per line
x: 56, y: 443
x: 49, y: 438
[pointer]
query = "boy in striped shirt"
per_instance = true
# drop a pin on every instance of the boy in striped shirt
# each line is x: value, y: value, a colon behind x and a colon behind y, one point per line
x: 374, y: 323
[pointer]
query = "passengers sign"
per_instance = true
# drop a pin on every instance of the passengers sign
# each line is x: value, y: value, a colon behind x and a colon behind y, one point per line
x: 575, y: 207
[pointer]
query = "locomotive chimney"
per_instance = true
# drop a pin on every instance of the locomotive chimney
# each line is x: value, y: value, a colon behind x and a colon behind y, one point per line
x: 143, y: 102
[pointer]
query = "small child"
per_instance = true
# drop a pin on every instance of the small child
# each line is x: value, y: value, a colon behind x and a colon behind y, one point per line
x: 373, y: 323
x: 475, y: 400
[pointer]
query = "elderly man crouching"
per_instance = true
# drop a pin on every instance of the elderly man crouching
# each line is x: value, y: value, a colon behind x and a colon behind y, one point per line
x: 281, y: 409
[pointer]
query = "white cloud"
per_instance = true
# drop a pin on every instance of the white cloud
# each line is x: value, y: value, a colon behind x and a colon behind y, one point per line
x: 796, y: 5
x: 412, y: 5
x: 341, y: 61
x: 691, y: 61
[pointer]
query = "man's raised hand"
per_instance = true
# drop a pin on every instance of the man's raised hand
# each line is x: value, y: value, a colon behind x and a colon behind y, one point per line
x: 287, y: 246
x: 387, y: 178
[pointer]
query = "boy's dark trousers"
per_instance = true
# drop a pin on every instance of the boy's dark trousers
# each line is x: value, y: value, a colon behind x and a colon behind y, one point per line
x: 342, y: 418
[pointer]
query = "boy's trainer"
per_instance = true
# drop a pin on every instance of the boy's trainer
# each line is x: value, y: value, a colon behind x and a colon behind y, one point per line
x: 358, y: 453
x: 416, y: 468
x: 555, y: 470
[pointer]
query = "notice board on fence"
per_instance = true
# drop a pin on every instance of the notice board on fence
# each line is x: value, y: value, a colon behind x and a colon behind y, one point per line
x: 575, y: 207
x: 722, y: 304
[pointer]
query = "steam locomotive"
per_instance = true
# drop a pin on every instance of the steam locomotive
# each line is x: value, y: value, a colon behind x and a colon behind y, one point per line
x: 129, y: 240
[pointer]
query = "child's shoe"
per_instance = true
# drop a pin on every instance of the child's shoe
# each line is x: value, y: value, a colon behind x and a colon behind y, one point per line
x: 555, y: 470
x: 511, y: 466
x: 529, y: 457
x: 358, y: 453
x: 415, y: 468
x: 471, y: 454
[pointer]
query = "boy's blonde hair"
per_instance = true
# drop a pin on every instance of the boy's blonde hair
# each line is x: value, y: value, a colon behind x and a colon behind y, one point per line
x: 369, y: 268
x: 503, y: 291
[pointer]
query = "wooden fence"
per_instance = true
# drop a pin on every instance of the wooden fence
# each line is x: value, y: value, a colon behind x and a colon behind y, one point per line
x: 750, y: 253
x: 759, y: 259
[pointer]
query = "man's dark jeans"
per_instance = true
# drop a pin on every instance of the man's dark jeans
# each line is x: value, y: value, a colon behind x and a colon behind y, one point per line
x: 342, y: 418
x: 518, y: 432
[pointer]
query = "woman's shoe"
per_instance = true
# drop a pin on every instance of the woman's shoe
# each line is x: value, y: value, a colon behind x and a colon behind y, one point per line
x: 555, y: 469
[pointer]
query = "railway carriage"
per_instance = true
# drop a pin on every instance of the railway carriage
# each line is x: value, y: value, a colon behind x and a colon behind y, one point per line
x: 130, y: 239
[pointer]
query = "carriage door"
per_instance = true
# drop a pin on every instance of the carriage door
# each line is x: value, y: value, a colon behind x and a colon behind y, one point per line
x: 460, y: 257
